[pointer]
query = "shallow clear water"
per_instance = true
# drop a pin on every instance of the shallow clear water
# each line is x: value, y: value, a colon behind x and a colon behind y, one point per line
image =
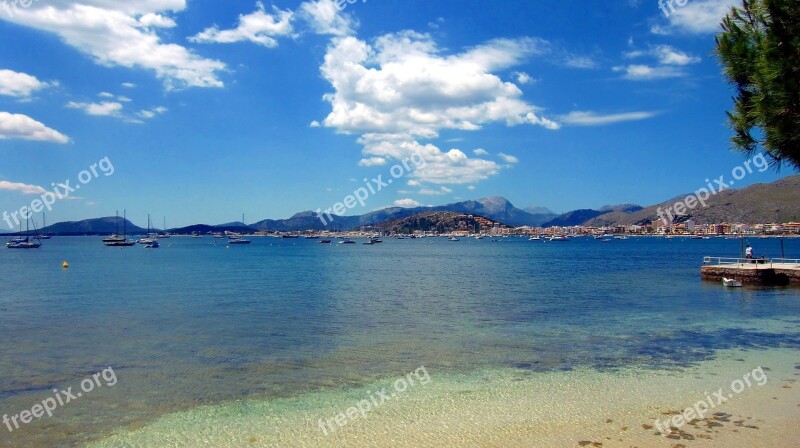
x: 197, y: 323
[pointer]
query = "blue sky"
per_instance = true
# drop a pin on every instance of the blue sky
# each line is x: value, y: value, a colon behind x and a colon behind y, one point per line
x: 210, y: 109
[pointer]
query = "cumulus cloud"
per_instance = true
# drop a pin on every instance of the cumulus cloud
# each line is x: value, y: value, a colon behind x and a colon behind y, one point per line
x: 509, y: 159
x: 668, y: 63
x: 150, y: 113
x: 324, y: 17
x: 696, y: 17
x: 18, y: 126
x: 668, y: 55
x: 124, y: 34
x: 480, y: 152
x: 20, y: 85
x: 106, y: 108
x: 258, y: 27
x: 523, y: 78
x: 406, y: 203
x: 403, y: 88
x: 585, y: 118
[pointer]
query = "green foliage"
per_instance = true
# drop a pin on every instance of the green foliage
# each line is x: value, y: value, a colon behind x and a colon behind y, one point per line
x: 759, y: 48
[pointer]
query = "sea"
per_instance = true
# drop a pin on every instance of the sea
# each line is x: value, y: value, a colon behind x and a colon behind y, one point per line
x: 491, y: 342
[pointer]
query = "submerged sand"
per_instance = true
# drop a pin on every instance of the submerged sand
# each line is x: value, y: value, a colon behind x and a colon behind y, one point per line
x: 512, y: 408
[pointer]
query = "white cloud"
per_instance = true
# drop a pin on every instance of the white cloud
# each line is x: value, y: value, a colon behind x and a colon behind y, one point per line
x: 451, y: 167
x: 156, y: 21
x: 403, y: 88
x: 523, y: 78
x: 406, y: 203
x: 150, y: 113
x: 668, y: 62
x: 315, y: 124
x: 106, y: 108
x: 480, y: 152
x: 373, y: 161
x: 22, y: 188
x: 511, y: 160
x: 670, y: 56
x: 696, y: 17
x: 580, y: 118
x: 641, y: 72
x: 20, y: 85
x: 471, y: 187
x: 128, y: 85
x: 413, y: 183
x: 665, y: 54
x: 105, y: 95
x: 109, y: 31
x: 579, y: 62
x: 258, y: 27
x: 435, y: 191
x: 324, y: 17
x: 18, y: 126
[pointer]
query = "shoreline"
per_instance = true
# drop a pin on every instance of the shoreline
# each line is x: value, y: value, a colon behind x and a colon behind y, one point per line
x: 512, y: 407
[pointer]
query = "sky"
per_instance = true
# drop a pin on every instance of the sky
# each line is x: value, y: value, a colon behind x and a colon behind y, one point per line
x: 200, y: 111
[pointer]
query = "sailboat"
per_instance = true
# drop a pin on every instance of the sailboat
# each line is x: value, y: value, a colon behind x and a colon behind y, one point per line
x: 43, y: 236
x: 165, y: 234
x: 26, y: 243
x: 236, y: 239
x: 151, y: 237
x: 116, y: 241
x: 115, y: 237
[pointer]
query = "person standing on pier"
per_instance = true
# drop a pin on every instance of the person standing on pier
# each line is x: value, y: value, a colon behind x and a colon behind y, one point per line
x: 748, y: 252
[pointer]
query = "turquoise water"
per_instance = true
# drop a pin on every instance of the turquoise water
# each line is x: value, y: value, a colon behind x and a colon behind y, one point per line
x: 197, y: 323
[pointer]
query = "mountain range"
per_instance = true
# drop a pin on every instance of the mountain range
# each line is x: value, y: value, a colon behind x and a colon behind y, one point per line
x: 779, y: 200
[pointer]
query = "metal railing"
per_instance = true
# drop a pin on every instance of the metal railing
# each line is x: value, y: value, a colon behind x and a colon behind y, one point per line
x: 751, y: 262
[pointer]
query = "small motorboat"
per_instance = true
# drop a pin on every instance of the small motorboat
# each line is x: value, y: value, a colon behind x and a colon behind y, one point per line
x: 236, y: 239
x: 731, y: 283
x: 347, y: 242
x: 535, y: 238
x: 453, y: 239
x: 152, y: 245
x: 324, y: 241
x: 559, y: 238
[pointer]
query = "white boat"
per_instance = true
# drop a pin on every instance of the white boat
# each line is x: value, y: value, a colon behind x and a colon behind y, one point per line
x: 27, y: 242
x: 535, y: 238
x: 452, y: 238
x: 731, y: 283
x: 151, y: 237
x: 235, y: 239
x: 559, y: 238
